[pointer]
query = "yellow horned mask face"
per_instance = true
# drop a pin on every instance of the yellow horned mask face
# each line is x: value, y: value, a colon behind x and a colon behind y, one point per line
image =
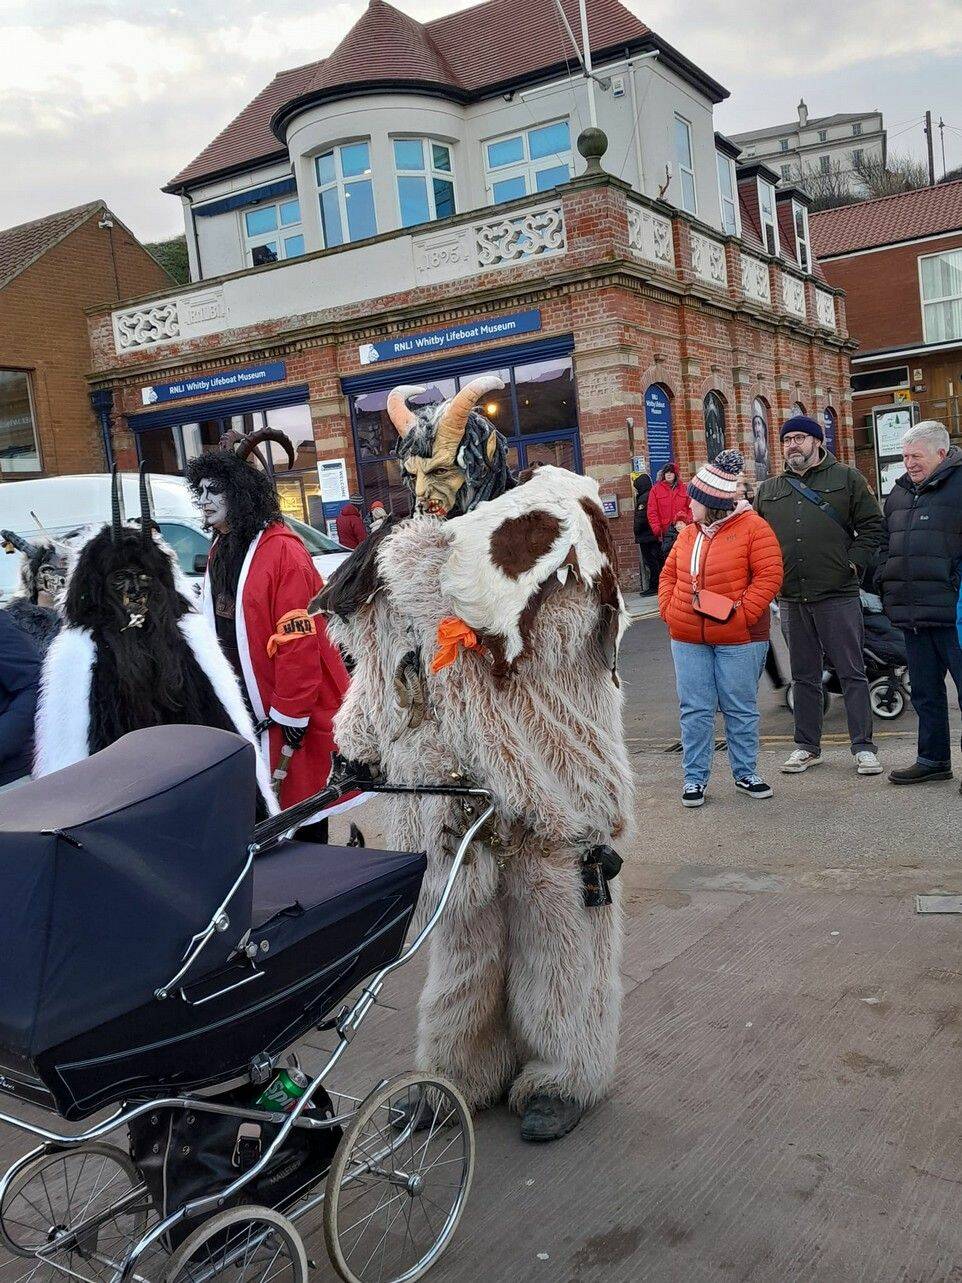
x: 438, y: 450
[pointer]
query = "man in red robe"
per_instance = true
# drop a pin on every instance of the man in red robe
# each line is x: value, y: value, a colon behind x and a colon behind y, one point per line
x: 260, y: 578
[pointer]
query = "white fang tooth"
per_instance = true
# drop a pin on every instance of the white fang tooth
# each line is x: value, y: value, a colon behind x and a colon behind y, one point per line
x: 562, y: 573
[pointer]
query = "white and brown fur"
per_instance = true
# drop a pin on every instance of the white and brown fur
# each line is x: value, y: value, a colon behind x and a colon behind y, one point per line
x: 523, y: 993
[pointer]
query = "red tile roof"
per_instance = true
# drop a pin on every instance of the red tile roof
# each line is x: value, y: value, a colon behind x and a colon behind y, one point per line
x: 24, y: 244
x: 888, y: 220
x: 495, y: 43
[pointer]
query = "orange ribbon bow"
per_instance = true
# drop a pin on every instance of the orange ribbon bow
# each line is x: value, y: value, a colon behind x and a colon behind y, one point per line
x: 453, y: 634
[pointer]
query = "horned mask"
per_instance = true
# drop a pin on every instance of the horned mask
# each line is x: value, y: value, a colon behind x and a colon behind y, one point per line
x: 452, y: 457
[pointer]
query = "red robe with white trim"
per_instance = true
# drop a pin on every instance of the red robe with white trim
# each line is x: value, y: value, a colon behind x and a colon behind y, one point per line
x: 304, y: 680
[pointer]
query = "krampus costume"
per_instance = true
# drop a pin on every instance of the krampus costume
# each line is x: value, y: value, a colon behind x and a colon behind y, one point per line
x: 512, y: 591
x: 260, y: 579
x: 133, y: 651
x: 43, y: 572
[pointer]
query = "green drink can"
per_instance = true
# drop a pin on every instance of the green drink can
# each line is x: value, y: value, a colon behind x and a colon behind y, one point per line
x: 283, y: 1093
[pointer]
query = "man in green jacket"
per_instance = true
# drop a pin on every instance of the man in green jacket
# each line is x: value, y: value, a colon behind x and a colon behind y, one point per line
x: 829, y: 537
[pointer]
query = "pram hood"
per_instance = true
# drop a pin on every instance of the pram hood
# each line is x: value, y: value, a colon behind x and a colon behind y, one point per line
x: 108, y: 868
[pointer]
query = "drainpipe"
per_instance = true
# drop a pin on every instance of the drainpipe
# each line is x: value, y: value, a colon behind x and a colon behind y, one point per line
x: 193, y: 229
x: 102, y: 401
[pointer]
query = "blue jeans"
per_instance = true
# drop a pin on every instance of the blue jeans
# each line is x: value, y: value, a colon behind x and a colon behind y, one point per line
x: 718, y: 677
x: 932, y: 653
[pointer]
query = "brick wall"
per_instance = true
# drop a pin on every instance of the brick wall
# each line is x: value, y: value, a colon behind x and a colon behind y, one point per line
x: 882, y: 292
x: 43, y: 329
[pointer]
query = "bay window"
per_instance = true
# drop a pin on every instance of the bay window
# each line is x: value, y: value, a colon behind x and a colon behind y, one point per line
x: 802, y: 249
x: 425, y: 180
x: 766, y: 215
x: 273, y: 232
x: 685, y: 160
x: 940, y: 276
x: 19, y: 452
x: 346, y: 193
x: 532, y: 160
x: 727, y: 194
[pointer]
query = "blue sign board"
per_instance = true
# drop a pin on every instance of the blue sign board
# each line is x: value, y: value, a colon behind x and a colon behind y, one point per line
x: 658, y: 428
x: 242, y: 379
x: 494, y: 327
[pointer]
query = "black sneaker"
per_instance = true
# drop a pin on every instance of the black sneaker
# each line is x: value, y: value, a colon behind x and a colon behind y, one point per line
x: 753, y: 786
x: 693, y: 795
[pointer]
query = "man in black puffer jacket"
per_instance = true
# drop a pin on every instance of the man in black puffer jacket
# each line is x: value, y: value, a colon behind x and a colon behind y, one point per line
x: 919, y: 575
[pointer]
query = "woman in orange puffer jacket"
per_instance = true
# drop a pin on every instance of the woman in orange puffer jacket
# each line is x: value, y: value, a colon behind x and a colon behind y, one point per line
x: 731, y: 552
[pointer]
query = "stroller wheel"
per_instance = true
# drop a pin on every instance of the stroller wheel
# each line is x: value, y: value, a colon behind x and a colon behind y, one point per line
x: 395, y: 1193
x: 243, y: 1244
x: 887, y: 698
x: 789, y: 697
x: 94, y: 1190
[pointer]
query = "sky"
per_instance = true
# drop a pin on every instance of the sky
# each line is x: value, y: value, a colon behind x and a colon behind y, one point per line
x: 110, y: 98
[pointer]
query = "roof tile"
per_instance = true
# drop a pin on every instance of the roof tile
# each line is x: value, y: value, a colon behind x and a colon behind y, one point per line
x: 903, y: 217
x: 24, y: 244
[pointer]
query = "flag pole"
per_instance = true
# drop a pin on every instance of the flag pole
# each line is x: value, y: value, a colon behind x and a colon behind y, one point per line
x: 586, y: 62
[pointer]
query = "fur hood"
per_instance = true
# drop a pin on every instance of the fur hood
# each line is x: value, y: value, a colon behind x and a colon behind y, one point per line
x: 40, y: 623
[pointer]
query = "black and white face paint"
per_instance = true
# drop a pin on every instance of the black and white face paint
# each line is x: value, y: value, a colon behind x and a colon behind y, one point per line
x: 212, y: 502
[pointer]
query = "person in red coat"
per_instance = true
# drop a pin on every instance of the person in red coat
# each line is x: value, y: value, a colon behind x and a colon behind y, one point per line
x: 351, y: 531
x: 668, y: 508
x: 259, y: 580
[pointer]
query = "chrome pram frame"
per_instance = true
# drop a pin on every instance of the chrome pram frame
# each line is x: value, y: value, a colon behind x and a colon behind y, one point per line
x: 345, y: 1026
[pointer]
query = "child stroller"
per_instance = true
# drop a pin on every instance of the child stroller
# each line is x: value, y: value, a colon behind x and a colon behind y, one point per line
x: 160, y: 954
x: 886, y: 665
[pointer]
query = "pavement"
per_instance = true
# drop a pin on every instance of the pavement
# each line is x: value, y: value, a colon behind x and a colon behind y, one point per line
x: 786, y: 1108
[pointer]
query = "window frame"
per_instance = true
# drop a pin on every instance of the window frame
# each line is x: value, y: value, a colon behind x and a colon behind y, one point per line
x: 824, y: 164
x: 782, y: 145
x: 887, y: 387
x: 823, y: 135
x: 857, y: 129
x: 723, y: 200
x: 936, y: 302
x: 688, y: 169
x: 858, y: 154
x: 428, y: 174
x: 280, y: 234
x: 339, y: 184
x: 786, y: 171
x: 32, y: 407
x: 804, y: 241
x: 527, y: 168
x: 763, y: 222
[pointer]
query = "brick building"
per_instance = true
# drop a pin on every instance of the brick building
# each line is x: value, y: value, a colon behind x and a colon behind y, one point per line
x: 899, y: 260
x: 668, y: 308
x: 50, y: 271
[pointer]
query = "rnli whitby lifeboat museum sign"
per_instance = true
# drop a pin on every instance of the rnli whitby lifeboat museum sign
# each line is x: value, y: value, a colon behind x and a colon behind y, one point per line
x: 493, y: 327
x: 240, y: 380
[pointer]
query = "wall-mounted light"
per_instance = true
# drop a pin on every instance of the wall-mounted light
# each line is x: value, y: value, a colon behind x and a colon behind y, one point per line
x: 491, y: 408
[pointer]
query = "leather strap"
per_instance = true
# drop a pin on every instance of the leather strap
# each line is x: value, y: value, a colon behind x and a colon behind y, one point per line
x: 814, y: 497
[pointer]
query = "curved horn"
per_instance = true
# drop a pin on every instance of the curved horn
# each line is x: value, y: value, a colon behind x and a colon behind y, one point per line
x: 146, y: 521
x: 15, y: 541
x: 401, y: 414
x: 267, y: 434
x: 455, y: 414
x: 116, y: 508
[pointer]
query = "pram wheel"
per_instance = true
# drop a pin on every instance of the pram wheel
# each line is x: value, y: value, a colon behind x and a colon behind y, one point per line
x: 94, y: 1190
x: 887, y: 697
x: 789, y: 697
x: 395, y: 1194
x: 243, y: 1244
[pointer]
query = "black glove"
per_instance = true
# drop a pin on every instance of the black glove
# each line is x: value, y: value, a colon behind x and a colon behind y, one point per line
x: 294, y: 735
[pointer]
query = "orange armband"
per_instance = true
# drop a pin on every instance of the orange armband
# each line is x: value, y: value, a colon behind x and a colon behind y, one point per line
x: 295, y: 624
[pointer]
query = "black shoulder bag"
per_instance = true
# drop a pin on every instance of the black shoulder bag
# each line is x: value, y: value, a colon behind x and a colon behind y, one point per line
x: 814, y: 497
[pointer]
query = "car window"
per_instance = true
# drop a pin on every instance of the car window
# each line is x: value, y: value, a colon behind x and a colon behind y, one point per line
x: 316, y: 540
x: 186, y: 542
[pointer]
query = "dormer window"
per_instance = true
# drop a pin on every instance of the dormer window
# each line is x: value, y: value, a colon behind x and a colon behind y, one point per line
x: 533, y: 160
x: 766, y: 215
x: 346, y: 193
x: 425, y: 180
x: 802, y: 247
x: 727, y: 196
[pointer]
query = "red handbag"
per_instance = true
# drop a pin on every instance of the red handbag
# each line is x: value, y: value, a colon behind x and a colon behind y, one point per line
x: 713, y: 605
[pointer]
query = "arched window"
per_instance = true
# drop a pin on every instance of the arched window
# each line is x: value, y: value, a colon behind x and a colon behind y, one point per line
x: 714, y: 425
x: 760, y: 446
x: 797, y: 408
x: 830, y: 423
x: 658, y: 428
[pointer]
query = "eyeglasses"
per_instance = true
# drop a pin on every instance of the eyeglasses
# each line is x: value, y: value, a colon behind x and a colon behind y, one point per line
x: 795, y: 438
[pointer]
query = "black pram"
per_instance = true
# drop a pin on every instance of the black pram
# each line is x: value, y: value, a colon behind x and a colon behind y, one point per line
x: 147, y: 957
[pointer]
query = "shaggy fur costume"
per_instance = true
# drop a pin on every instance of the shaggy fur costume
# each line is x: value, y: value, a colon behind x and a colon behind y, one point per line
x: 40, y: 623
x: 523, y: 993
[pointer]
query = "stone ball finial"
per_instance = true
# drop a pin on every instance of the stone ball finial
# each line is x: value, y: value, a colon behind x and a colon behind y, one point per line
x: 593, y: 143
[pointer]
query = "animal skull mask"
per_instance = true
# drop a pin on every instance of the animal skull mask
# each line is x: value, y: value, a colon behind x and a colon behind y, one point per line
x: 452, y: 457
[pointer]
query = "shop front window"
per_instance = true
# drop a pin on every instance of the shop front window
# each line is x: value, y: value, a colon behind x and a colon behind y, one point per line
x: 546, y: 396
x: 19, y: 452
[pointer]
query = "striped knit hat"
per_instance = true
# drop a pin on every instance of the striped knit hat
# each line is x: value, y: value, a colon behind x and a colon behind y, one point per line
x: 714, y: 484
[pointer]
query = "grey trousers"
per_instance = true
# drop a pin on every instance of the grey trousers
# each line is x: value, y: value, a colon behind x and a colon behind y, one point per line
x: 832, y: 629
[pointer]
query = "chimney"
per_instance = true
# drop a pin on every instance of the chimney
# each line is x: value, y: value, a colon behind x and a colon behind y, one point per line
x: 802, y: 113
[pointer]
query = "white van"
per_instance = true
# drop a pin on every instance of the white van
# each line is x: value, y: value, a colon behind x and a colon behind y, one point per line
x: 65, y: 504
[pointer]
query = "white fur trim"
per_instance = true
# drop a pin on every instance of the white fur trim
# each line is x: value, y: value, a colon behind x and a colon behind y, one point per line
x: 62, y: 727
x: 283, y: 720
x: 202, y: 640
x: 243, y: 642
